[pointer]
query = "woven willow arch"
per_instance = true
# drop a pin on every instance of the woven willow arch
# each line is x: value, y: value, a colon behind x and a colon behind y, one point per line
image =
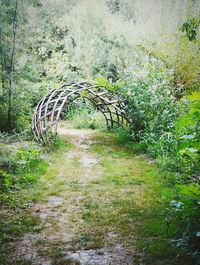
x: 47, y: 113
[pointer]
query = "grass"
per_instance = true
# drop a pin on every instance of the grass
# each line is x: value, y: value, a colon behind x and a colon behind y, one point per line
x: 15, y: 206
x: 133, y: 195
x: 13, y: 225
x: 128, y: 200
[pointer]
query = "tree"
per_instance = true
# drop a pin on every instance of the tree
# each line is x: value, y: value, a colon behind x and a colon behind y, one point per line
x: 11, y: 73
x: 8, y: 28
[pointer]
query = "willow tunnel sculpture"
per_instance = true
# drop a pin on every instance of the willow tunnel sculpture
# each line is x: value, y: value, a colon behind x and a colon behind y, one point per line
x: 49, y: 108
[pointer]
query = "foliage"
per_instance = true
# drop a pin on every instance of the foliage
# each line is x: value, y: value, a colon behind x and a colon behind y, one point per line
x: 84, y: 115
x: 52, y: 49
x: 185, y: 211
x: 159, y: 79
x: 20, y: 167
x: 188, y: 136
x: 168, y: 130
x: 190, y: 28
x: 150, y: 103
x: 14, y: 136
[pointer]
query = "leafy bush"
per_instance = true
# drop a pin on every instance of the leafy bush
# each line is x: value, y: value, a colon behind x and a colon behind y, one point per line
x: 185, y: 211
x: 184, y: 159
x: 188, y: 132
x: 190, y: 28
x: 20, y: 167
x: 150, y: 104
x: 167, y: 128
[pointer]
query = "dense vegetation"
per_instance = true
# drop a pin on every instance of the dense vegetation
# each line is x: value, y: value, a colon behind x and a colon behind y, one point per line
x: 44, y: 43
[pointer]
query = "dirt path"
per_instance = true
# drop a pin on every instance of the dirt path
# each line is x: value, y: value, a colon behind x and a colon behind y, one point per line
x: 66, y: 230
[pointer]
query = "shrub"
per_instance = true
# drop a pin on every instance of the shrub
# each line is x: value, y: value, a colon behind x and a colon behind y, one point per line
x: 151, y: 105
x: 187, y: 130
x: 20, y: 167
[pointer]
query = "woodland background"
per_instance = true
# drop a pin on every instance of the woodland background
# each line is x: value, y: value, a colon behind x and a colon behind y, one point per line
x: 147, y: 51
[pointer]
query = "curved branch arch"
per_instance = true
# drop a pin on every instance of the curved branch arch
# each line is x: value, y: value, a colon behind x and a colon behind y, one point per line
x: 47, y: 113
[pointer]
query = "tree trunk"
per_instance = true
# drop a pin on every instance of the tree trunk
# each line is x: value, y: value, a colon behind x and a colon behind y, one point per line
x: 2, y: 65
x: 11, y: 74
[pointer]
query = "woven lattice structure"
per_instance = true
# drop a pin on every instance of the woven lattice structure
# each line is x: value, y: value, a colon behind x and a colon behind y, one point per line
x: 49, y: 108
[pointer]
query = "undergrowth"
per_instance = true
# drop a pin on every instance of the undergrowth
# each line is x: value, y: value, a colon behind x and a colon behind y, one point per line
x: 85, y: 115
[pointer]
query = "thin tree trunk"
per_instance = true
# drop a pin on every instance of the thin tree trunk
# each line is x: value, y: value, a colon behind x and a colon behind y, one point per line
x: 11, y: 75
x: 1, y: 54
x: 3, y: 66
